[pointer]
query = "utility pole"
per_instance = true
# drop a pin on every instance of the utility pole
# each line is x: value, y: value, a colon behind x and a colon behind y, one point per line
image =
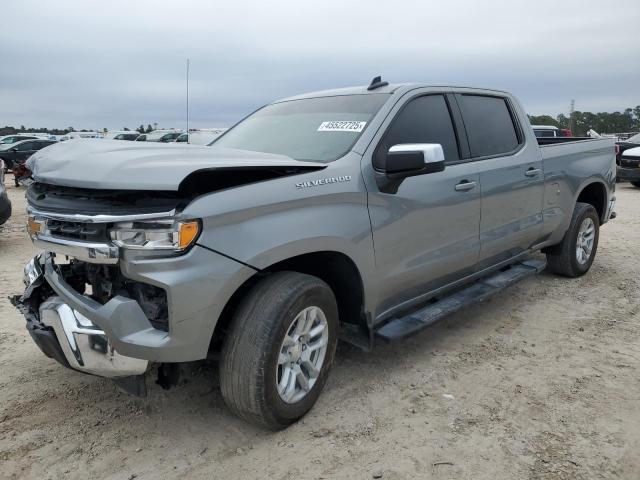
x: 572, y: 109
x: 188, y: 100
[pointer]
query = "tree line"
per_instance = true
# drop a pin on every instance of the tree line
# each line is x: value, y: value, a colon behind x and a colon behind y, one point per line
x: 9, y: 130
x: 602, y: 122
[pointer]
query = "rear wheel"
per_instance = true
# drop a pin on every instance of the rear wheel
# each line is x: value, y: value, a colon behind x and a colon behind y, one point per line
x: 636, y: 184
x: 279, y: 349
x: 574, y: 255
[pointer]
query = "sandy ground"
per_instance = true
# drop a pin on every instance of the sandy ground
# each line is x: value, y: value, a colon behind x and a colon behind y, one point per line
x: 540, y: 382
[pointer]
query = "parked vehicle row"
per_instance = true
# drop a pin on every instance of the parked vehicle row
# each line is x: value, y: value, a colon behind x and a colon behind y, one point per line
x: 358, y: 213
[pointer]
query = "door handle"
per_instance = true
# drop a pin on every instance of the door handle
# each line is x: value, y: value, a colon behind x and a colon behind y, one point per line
x: 532, y: 172
x: 465, y: 186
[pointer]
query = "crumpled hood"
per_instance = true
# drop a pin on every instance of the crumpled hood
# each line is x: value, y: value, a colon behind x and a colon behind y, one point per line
x: 116, y: 164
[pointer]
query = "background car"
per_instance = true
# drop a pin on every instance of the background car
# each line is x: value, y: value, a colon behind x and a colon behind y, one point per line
x: 628, y: 169
x: 201, y: 137
x: 161, y: 136
x: 72, y: 135
x: 5, y: 204
x: 131, y: 136
x: 14, y: 155
x: 550, y: 131
x: 621, y: 146
x: 9, y: 139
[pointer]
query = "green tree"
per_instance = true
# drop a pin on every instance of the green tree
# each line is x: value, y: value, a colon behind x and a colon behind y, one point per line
x: 149, y: 129
x: 542, y: 120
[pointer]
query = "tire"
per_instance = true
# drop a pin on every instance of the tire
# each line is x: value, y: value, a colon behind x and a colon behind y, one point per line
x: 563, y: 259
x: 636, y: 184
x: 253, y: 349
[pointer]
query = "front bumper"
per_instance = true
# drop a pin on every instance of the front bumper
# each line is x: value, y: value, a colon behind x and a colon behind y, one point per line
x: 628, y: 174
x: 198, y: 286
x: 81, y: 345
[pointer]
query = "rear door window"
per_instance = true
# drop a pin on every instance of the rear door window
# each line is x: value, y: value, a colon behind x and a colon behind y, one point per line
x: 24, y: 147
x: 489, y: 125
x: 424, y: 119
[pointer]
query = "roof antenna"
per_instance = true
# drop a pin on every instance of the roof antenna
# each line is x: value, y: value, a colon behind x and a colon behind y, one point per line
x: 188, y: 100
x: 377, y: 83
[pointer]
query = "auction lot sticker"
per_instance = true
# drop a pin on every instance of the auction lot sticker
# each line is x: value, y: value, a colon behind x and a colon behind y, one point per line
x: 341, y: 126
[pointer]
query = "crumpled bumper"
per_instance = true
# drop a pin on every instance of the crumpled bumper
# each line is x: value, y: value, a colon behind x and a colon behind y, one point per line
x: 66, y: 335
x: 86, y: 347
x: 198, y: 286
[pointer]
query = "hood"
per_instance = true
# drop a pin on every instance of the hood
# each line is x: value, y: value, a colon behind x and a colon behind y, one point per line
x: 114, y: 164
x: 631, y: 152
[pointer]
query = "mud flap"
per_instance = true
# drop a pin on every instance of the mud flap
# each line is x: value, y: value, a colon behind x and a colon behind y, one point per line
x: 135, y: 385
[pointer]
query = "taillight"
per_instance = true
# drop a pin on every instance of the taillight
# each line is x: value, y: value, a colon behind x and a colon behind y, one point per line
x: 617, y: 149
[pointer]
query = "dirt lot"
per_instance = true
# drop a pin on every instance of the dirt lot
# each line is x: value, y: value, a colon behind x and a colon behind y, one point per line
x: 540, y: 382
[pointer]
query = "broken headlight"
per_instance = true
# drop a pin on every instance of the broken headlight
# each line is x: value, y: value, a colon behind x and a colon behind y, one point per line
x: 156, y: 235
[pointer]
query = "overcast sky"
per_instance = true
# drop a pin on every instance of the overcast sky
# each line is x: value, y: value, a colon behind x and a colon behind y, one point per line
x: 122, y: 63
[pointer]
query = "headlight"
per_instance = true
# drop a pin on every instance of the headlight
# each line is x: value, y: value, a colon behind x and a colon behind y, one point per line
x: 156, y: 235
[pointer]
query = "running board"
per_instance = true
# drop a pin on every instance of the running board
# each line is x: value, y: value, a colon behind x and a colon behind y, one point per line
x: 403, y: 327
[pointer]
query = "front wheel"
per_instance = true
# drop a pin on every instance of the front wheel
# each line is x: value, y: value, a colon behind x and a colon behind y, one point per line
x: 279, y: 349
x: 575, y: 254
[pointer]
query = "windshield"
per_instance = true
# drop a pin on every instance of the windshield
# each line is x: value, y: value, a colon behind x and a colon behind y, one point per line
x: 315, y: 129
x: 9, y: 140
x: 156, y: 136
x: 634, y: 139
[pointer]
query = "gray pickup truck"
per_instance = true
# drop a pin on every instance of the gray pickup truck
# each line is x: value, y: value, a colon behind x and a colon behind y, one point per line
x: 363, y: 214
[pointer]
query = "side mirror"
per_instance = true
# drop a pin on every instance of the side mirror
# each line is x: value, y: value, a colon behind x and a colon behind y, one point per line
x: 408, y: 160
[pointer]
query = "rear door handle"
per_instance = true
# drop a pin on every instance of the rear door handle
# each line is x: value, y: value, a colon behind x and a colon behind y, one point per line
x: 465, y: 186
x: 532, y: 172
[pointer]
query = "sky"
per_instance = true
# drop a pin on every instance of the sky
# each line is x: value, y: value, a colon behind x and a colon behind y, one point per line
x: 114, y: 64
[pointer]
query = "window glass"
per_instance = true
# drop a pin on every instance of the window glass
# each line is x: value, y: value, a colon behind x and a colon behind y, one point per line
x: 544, y: 133
x: 318, y: 129
x: 424, y: 119
x: 489, y: 125
x: 23, y: 147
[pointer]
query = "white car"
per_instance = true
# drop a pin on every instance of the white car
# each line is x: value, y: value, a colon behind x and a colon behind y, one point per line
x: 73, y: 135
x: 546, y: 131
x: 629, y: 168
x: 123, y: 135
x: 18, y: 137
x: 161, y: 136
x: 202, y: 136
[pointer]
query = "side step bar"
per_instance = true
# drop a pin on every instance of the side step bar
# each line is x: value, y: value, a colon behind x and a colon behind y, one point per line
x: 403, y: 327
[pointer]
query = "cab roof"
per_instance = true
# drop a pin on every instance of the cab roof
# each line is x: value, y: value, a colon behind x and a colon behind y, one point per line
x: 388, y: 89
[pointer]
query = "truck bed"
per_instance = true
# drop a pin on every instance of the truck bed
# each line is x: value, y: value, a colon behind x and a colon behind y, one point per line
x: 583, y: 147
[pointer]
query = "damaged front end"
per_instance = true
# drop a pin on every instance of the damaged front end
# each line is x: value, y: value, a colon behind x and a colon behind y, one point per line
x: 66, y: 335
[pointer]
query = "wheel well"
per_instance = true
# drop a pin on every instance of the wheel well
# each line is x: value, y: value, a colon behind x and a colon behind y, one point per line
x: 595, y: 194
x: 334, y: 268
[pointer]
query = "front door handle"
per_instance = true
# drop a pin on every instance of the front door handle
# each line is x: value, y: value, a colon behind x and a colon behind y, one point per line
x: 532, y: 172
x: 465, y: 186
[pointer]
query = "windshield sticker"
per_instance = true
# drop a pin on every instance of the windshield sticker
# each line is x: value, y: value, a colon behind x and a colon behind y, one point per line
x: 341, y: 126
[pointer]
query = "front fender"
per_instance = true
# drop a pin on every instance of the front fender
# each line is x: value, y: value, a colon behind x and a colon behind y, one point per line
x: 264, y: 223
